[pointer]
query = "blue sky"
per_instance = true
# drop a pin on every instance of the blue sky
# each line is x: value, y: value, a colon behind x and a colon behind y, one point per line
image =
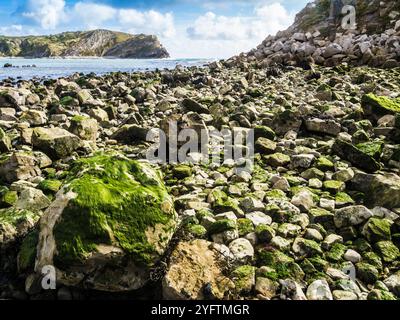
x: 187, y: 28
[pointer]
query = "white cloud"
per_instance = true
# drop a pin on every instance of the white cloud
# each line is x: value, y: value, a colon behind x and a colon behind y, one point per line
x: 47, y: 13
x: 267, y: 19
x: 147, y: 22
x: 92, y: 15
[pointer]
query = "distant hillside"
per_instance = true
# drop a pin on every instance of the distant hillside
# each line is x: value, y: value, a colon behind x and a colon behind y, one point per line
x: 98, y: 43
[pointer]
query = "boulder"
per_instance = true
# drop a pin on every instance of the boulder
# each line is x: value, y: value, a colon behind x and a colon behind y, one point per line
x: 15, y: 224
x: 330, y: 127
x: 355, y: 156
x: 57, y: 143
x: 130, y: 134
x: 5, y: 142
x: 108, y: 226
x: 351, y: 216
x: 195, y: 272
x: 20, y: 166
x: 85, y: 128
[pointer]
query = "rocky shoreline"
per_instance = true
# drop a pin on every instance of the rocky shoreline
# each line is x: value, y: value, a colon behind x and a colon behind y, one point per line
x: 323, y: 197
x: 84, y: 214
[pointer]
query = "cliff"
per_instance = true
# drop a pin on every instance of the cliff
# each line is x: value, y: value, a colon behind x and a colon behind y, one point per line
x: 319, y: 36
x: 98, y: 43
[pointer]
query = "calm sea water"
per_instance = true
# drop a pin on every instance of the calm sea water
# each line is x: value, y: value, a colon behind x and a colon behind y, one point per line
x: 54, y: 68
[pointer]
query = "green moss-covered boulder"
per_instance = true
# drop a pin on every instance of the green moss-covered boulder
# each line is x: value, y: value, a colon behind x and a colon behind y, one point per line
x: 112, y: 220
x: 377, y: 229
x: 380, y: 105
x: 367, y: 273
x: 15, y: 224
x: 244, y: 278
x: 355, y: 156
x: 387, y: 250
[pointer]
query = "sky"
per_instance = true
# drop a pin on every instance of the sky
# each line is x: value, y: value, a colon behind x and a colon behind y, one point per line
x: 187, y: 28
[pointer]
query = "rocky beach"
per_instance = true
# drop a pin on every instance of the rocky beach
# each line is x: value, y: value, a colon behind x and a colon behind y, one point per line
x: 316, y: 218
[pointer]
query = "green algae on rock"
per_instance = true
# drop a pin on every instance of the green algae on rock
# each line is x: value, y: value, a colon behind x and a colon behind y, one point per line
x: 379, y: 104
x: 15, y: 224
x: 114, y: 211
x: 355, y: 156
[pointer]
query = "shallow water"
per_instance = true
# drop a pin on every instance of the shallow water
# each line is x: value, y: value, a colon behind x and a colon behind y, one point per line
x: 55, y: 68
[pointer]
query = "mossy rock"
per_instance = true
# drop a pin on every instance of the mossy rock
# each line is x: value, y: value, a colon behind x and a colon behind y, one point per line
x: 336, y: 253
x: 244, y: 278
x: 355, y: 156
x: 197, y: 231
x: 245, y: 226
x: 113, y: 212
x: 377, y: 294
x: 264, y: 132
x: 367, y: 273
x: 222, y: 226
x: 387, y: 250
x: 324, y: 164
x: 182, y: 171
x: 15, y: 224
x: 334, y: 186
x: 27, y: 251
x: 50, y: 186
x: 8, y: 198
x: 380, y: 104
x: 373, y: 148
x: 376, y: 230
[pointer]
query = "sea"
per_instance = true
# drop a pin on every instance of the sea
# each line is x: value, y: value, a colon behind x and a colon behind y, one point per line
x: 51, y: 68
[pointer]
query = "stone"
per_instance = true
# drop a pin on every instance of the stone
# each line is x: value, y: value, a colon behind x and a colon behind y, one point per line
x: 291, y: 290
x: 5, y: 142
x: 194, y: 266
x: 351, y: 216
x: 303, y: 200
x: 34, y: 117
x: 302, y: 161
x: 393, y: 283
x: 330, y: 127
x: 383, y: 190
x: 278, y: 160
x: 355, y: 156
x: 332, y: 49
x: 134, y: 216
x: 267, y: 288
x: 191, y: 105
x: 265, y: 146
x: 258, y: 218
x: 15, y: 224
x: 319, y: 290
x: 344, y: 295
x: 130, y: 134
x: 57, y: 143
x: 242, y: 250
x: 32, y: 199
x: 20, y: 166
x: 85, y: 128
x: 352, y: 256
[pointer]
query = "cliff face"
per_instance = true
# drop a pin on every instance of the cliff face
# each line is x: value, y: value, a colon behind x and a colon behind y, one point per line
x: 98, y: 43
x: 317, y: 36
